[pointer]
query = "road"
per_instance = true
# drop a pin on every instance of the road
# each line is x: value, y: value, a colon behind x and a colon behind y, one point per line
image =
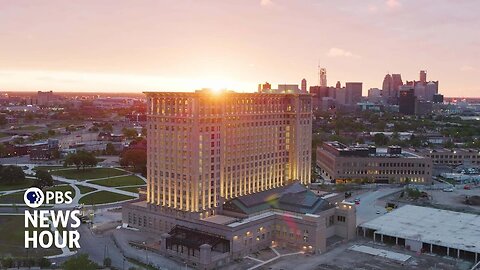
x: 370, y: 203
x: 98, y: 247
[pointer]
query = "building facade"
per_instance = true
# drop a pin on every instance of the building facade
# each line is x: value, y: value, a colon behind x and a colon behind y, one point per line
x: 204, y: 146
x: 339, y: 163
x: 217, y: 162
x: 451, y: 157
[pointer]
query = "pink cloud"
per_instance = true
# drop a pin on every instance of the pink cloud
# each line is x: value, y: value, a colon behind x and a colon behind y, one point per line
x: 393, y: 4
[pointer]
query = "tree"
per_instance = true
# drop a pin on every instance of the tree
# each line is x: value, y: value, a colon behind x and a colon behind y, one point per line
x: 3, y: 150
x: 79, y: 262
x: 73, y: 159
x: 44, y: 263
x: 129, y: 133
x: 136, y: 158
x: 11, y: 175
x: 81, y: 159
x: 110, y: 149
x: 7, y: 262
x: 380, y: 139
x: 3, y: 120
x: 44, y: 179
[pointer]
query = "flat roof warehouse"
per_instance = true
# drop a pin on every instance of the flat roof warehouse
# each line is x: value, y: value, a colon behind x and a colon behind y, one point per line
x: 430, y: 226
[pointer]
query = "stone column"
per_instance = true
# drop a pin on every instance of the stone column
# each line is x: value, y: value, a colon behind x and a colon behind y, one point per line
x: 163, y: 242
x: 205, y: 255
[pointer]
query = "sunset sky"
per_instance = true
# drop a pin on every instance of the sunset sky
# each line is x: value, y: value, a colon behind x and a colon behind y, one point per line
x: 182, y: 45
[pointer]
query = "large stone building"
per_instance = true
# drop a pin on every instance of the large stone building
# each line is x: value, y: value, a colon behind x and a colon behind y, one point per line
x: 226, y: 176
x: 342, y: 164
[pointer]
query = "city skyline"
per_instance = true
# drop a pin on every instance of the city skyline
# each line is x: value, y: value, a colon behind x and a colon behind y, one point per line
x: 121, y: 46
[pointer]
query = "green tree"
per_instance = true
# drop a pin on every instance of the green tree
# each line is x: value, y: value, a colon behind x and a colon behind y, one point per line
x: 11, y: 175
x: 7, y: 262
x: 129, y: 133
x: 3, y: 120
x: 44, y: 263
x: 136, y: 158
x: 380, y: 139
x: 44, y: 179
x: 110, y: 149
x: 79, y: 262
x: 81, y: 159
x: 73, y: 159
x: 3, y: 150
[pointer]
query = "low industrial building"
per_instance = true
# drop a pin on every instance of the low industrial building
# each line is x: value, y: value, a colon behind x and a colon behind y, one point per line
x: 340, y: 163
x: 428, y: 230
x: 289, y: 216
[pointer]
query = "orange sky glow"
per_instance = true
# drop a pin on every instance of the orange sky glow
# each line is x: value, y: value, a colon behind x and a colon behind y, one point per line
x: 183, y: 45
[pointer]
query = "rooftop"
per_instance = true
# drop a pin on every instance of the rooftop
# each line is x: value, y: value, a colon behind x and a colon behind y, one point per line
x: 293, y: 198
x: 429, y: 225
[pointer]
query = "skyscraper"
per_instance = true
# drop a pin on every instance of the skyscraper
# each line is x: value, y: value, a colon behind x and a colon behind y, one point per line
x: 423, y: 76
x: 387, y: 86
x: 391, y: 85
x: 225, y: 170
x: 338, y: 85
x: 323, y: 77
x: 396, y: 84
x: 205, y: 147
x: 304, y: 86
x: 407, y: 101
x: 353, y: 92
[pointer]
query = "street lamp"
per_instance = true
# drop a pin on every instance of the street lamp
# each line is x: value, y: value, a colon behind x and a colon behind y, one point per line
x: 146, y: 253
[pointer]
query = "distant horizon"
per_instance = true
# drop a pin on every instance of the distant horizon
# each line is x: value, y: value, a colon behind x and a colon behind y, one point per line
x: 142, y: 92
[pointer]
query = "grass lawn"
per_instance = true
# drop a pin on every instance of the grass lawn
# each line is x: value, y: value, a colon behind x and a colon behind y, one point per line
x: 121, y: 181
x: 28, y: 127
x: 62, y: 188
x: 91, y: 173
x: 131, y: 189
x: 49, y: 168
x: 84, y: 190
x: 103, y: 197
x: 12, y: 233
x: 16, y: 197
x: 28, y: 183
x: 3, y: 135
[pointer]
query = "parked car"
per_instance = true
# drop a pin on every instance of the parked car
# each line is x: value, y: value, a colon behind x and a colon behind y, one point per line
x: 466, y: 187
x: 448, y: 190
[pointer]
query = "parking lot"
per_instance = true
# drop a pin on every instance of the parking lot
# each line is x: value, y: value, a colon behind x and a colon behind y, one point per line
x: 342, y: 258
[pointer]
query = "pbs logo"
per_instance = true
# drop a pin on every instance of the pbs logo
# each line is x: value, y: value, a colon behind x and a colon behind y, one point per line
x: 33, y: 197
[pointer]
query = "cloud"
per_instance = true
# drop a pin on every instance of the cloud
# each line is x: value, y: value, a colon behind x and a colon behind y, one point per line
x: 468, y: 68
x: 337, y: 52
x: 372, y: 8
x: 266, y: 3
x: 393, y: 4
